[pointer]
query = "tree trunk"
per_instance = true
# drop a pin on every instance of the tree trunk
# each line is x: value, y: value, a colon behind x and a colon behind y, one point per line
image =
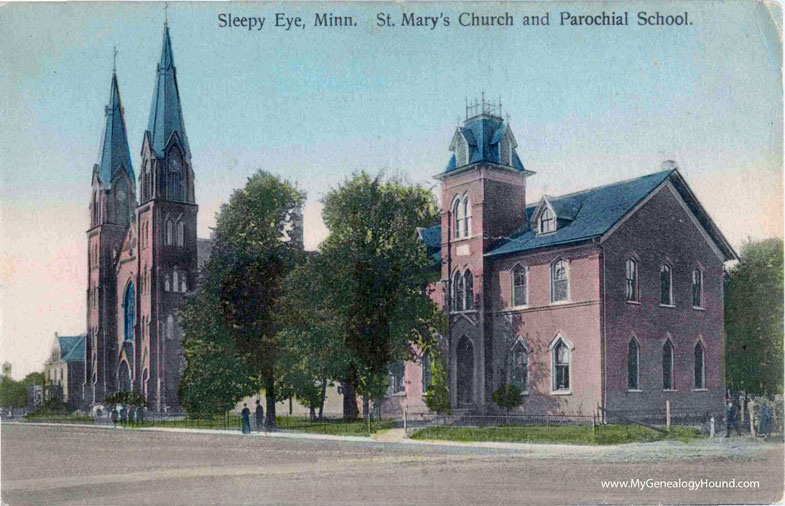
x: 321, y: 401
x: 366, y: 407
x: 270, y: 423
x: 350, y: 411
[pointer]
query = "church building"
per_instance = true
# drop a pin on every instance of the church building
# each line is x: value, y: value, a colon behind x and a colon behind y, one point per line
x: 142, y: 250
x: 610, y: 297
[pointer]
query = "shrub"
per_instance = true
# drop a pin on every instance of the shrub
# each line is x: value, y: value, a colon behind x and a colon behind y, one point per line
x: 508, y: 397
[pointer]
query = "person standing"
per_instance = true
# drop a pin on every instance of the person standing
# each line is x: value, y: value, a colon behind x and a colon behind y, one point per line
x: 246, y: 416
x: 259, y: 415
x: 140, y: 415
x: 114, y: 416
x: 751, y: 410
x: 764, y: 429
x: 123, y: 415
x: 730, y: 418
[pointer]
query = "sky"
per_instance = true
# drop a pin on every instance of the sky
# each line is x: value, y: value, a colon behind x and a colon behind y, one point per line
x: 588, y: 106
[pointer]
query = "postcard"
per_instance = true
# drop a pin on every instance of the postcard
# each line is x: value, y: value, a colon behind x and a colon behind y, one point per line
x: 391, y: 252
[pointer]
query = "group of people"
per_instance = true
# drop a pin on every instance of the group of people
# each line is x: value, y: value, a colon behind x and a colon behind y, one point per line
x: 245, y: 414
x: 127, y: 415
x: 760, y: 414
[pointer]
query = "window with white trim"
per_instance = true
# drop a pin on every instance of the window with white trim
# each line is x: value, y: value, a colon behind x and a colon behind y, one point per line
x: 631, y: 284
x: 462, y: 216
x: 697, y: 288
x: 519, y: 286
x: 666, y: 285
x: 561, y: 358
x: 458, y: 292
x: 469, y: 287
x: 547, y: 221
x: 560, y: 280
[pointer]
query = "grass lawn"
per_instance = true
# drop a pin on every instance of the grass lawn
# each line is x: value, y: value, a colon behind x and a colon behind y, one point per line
x: 581, y: 434
x: 293, y: 423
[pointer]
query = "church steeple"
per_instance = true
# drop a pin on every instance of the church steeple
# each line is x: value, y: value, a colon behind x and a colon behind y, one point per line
x: 166, y: 115
x: 115, y: 153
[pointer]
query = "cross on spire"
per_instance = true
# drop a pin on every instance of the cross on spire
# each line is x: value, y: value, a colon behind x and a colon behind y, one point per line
x: 114, y: 60
x: 166, y: 8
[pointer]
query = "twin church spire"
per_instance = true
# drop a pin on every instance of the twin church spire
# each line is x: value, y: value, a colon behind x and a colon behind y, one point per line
x: 166, y: 120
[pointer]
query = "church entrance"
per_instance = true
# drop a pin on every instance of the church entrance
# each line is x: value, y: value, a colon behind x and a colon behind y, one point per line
x: 465, y: 372
x: 124, y: 379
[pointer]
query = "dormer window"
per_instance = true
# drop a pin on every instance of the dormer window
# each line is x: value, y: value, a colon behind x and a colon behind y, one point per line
x: 547, y: 221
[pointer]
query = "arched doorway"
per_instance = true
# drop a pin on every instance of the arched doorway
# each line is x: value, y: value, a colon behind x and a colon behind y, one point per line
x: 465, y: 372
x: 124, y: 377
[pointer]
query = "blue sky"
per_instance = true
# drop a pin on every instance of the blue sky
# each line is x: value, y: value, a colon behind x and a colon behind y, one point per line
x: 588, y: 106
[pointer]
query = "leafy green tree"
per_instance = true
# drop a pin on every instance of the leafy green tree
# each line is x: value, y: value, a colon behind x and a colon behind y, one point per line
x: 754, y: 319
x: 507, y: 397
x: 377, y: 271
x: 13, y: 394
x: 34, y: 378
x: 215, y: 376
x: 243, y: 282
x: 437, y: 398
x: 314, y: 342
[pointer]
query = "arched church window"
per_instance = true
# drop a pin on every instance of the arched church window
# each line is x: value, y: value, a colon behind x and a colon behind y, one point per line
x: 167, y: 283
x: 174, y: 176
x: 95, y: 209
x: 170, y: 327
x: 129, y: 311
x: 169, y: 233
x: 180, y: 233
x: 147, y: 184
x: 175, y: 281
x: 469, y: 285
x: 183, y: 284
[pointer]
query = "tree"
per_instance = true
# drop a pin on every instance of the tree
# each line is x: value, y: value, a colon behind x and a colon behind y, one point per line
x: 242, y: 284
x: 215, y: 376
x: 437, y: 398
x: 377, y: 271
x: 34, y: 378
x: 314, y: 341
x: 754, y: 319
x: 13, y: 394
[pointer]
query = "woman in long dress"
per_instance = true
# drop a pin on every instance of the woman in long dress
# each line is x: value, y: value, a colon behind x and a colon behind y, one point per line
x: 246, y: 415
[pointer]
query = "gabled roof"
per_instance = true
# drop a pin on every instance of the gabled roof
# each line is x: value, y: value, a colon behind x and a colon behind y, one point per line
x: 114, y: 144
x: 72, y: 348
x: 432, y: 240
x: 594, y: 212
x: 483, y: 134
x: 166, y: 115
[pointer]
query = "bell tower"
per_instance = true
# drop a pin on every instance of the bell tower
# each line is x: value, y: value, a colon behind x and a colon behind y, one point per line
x: 112, y: 205
x: 483, y: 198
x: 167, y: 232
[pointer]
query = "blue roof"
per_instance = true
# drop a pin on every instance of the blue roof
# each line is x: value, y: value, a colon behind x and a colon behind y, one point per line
x: 72, y: 348
x: 432, y: 239
x: 587, y: 214
x: 483, y: 134
x: 114, y: 143
x: 166, y: 115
